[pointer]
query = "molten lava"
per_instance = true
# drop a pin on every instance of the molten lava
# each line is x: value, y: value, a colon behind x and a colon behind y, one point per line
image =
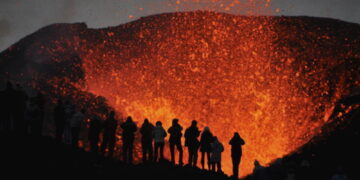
x: 272, y: 79
x: 225, y: 71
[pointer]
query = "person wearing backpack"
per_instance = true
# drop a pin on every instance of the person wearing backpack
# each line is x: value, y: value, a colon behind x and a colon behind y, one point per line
x: 217, y: 148
x: 159, y: 135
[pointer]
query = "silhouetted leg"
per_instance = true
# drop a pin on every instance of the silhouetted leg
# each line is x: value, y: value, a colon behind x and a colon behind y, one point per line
x: 208, y: 159
x: 162, y: 151
x: 212, y: 166
x: 190, y: 156
x: 125, y: 149
x: 236, y: 163
x: 179, y: 147
x: 219, y: 166
x: 195, y: 156
x: 150, y: 151
x: 172, y: 152
x: 202, y: 159
x: 131, y: 148
x: 144, y: 150
x: 156, y: 152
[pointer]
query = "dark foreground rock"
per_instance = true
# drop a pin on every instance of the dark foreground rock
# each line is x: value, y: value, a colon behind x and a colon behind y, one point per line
x: 43, y: 158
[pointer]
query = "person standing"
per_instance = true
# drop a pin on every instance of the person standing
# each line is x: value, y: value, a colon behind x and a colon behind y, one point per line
x: 175, y: 141
x: 205, y: 146
x: 191, y: 141
x: 76, y: 123
x: 146, y: 131
x: 109, y: 134
x: 159, y: 135
x: 217, y: 149
x: 128, y: 137
x: 236, y: 152
x: 94, y: 133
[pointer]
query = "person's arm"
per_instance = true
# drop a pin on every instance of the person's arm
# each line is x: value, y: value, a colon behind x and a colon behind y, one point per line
x: 242, y: 142
x: 197, y: 133
x: 169, y: 130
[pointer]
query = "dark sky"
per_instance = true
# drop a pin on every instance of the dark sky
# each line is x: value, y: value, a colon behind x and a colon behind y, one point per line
x: 19, y: 18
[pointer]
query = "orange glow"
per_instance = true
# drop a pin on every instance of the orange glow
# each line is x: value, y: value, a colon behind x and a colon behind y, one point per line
x: 224, y: 71
x: 272, y: 79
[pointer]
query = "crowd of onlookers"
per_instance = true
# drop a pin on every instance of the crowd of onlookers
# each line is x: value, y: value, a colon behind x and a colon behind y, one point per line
x: 25, y: 115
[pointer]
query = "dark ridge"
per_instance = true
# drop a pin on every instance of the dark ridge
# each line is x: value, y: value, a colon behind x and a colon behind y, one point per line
x: 43, y: 158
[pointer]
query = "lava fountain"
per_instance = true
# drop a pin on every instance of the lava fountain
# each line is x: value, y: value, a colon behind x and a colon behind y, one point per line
x: 272, y: 79
x: 225, y: 71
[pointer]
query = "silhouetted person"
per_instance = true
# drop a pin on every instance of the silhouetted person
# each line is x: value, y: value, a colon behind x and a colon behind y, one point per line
x: 146, y: 131
x: 217, y: 148
x: 33, y: 117
x: 40, y: 102
x: 76, y: 123
x: 69, y: 112
x: 191, y: 141
x: 205, y: 146
x: 259, y: 172
x: 19, y: 111
x: 236, y: 152
x: 109, y: 134
x: 60, y: 120
x: 175, y: 140
x: 94, y: 133
x: 159, y: 135
x: 128, y: 137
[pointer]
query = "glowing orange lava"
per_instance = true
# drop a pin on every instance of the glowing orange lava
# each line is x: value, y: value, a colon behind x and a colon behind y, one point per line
x: 228, y: 72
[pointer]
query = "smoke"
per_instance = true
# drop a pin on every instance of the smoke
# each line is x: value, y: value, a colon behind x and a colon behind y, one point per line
x: 347, y: 10
x: 4, y: 28
x: 21, y: 18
